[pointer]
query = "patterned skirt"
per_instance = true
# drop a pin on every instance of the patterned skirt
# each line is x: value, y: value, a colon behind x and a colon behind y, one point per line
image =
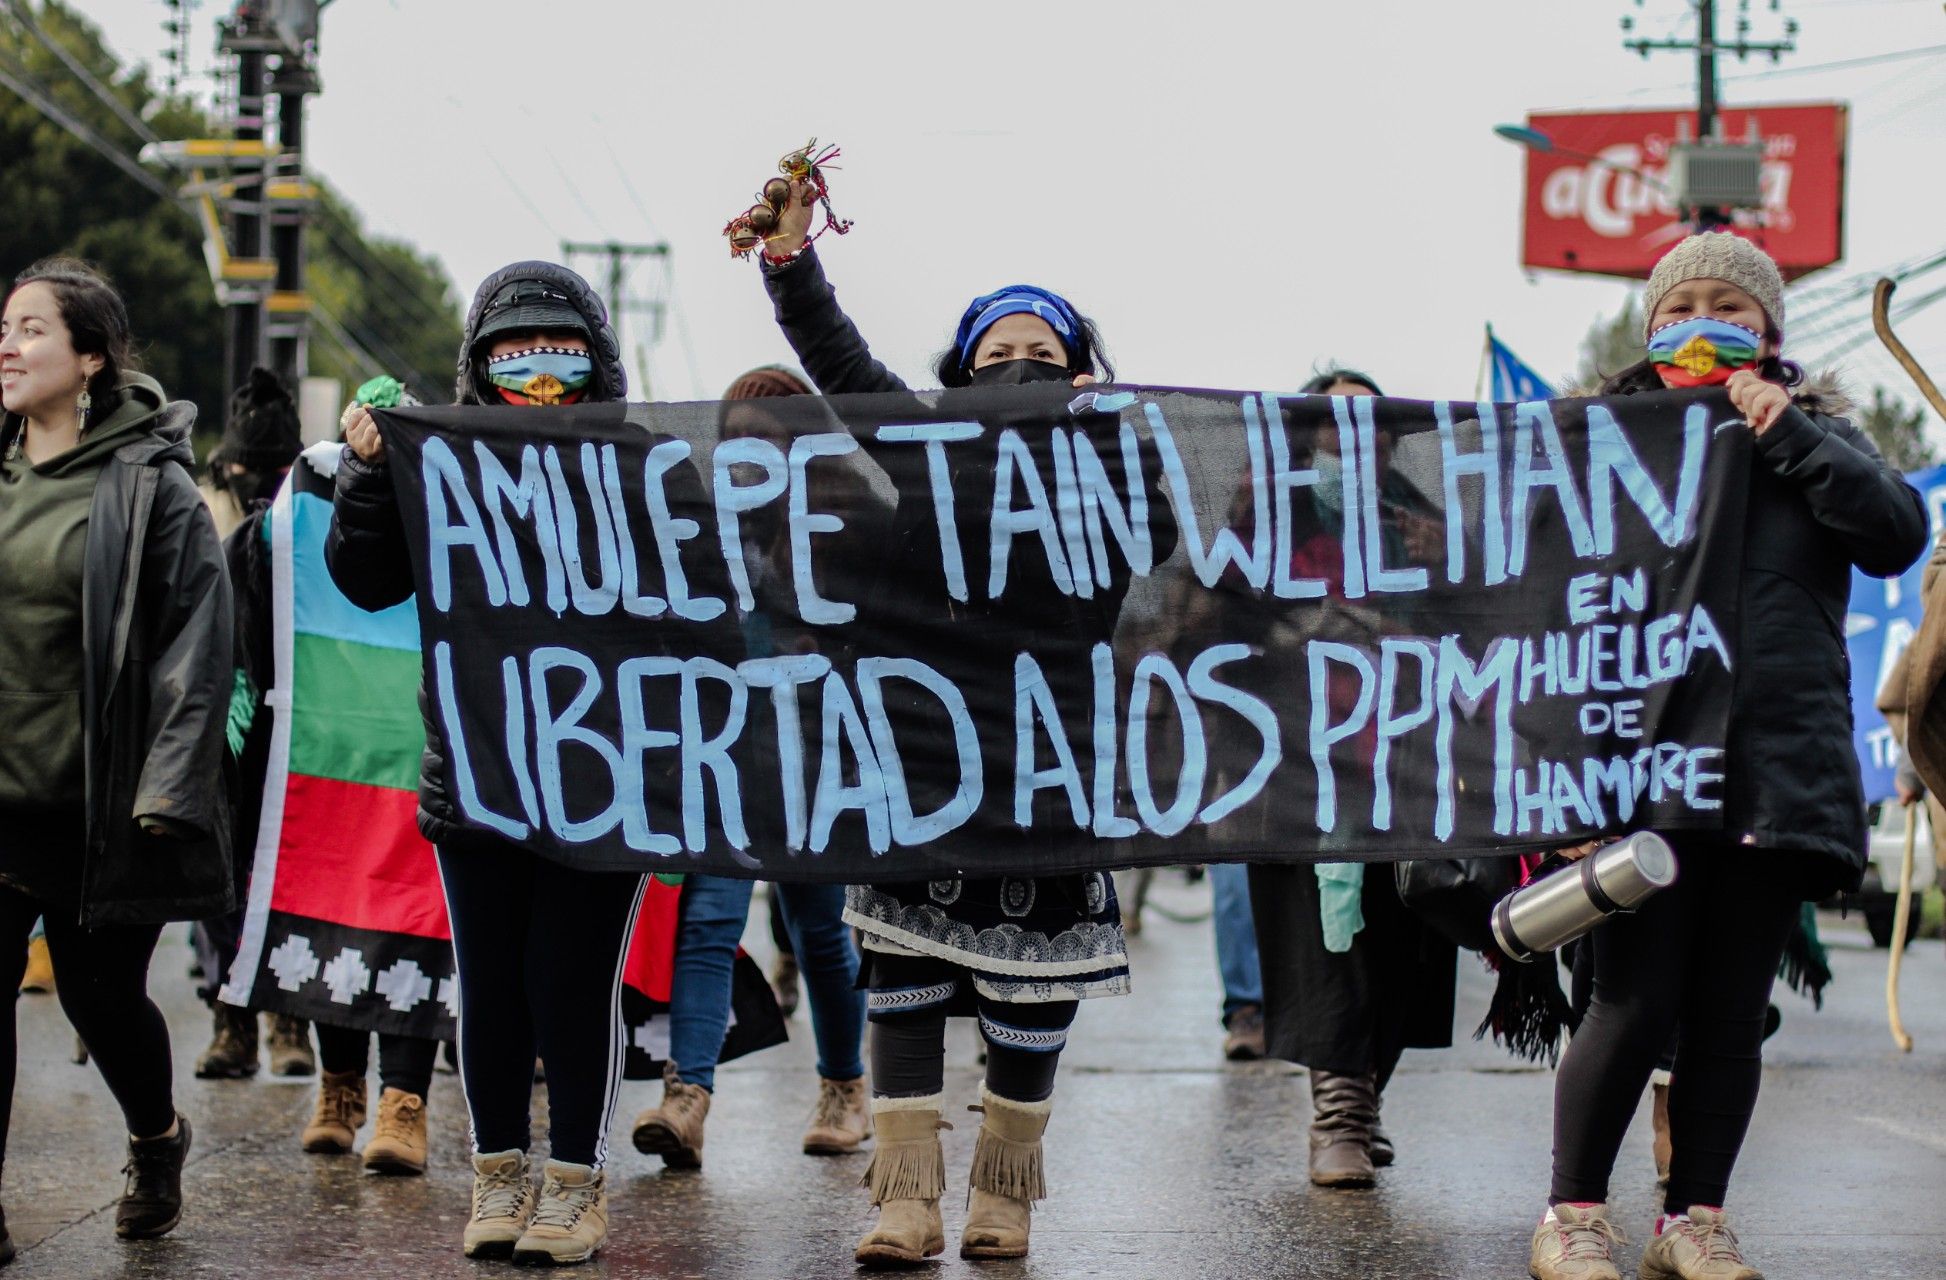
x: 1022, y: 939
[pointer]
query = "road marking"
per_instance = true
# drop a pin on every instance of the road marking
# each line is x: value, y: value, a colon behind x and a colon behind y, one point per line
x: 1898, y: 1130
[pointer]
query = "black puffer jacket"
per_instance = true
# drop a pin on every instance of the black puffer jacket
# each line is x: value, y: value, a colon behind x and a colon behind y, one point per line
x: 156, y: 681
x: 1821, y: 501
x: 366, y: 549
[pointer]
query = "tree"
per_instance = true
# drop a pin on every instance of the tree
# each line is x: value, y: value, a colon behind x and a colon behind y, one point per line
x: 63, y: 196
x: 1612, y: 345
x: 1899, y: 431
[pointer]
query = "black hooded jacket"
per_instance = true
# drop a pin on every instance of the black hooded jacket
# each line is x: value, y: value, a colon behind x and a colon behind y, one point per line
x: 1821, y: 501
x: 366, y: 548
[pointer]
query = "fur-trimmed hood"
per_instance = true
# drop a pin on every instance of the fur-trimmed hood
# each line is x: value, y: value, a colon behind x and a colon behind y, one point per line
x: 611, y: 376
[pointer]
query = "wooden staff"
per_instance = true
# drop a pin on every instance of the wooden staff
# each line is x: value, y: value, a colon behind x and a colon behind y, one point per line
x: 1901, y: 916
x: 1882, y: 322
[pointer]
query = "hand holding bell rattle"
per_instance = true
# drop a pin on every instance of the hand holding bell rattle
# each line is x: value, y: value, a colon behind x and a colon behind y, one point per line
x: 780, y: 222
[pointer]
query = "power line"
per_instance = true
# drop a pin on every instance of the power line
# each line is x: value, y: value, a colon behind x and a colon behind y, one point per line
x: 15, y: 78
x: 1870, y: 60
x: 81, y: 73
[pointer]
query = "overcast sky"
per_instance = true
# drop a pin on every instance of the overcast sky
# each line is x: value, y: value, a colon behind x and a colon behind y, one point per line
x: 1234, y: 190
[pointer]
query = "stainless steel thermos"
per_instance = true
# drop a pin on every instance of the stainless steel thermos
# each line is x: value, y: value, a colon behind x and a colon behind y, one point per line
x: 1560, y: 907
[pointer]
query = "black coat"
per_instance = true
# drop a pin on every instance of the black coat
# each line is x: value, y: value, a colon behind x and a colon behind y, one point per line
x: 156, y: 681
x: 1821, y: 501
x: 366, y: 547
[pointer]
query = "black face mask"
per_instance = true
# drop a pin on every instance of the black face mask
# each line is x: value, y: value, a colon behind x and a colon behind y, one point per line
x: 1018, y: 373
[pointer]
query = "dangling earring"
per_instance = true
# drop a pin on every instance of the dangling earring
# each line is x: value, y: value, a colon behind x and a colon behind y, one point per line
x: 82, y: 403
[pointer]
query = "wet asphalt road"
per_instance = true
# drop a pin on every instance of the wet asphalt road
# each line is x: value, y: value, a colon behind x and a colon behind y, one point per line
x: 1164, y: 1161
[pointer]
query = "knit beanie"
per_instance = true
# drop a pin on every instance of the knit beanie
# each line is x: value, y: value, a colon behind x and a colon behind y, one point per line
x: 767, y: 381
x: 263, y: 433
x: 1718, y: 255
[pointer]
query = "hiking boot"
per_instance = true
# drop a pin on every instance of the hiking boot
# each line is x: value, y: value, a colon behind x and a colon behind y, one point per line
x: 340, y: 1111
x: 571, y: 1218
x: 1661, y: 1146
x: 1381, y: 1144
x: 151, y: 1203
x: 842, y: 1120
x: 1575, y: 1242
x: 1697, y: 1246
x: 398, y: 1142
x: 232, y: 1052
x: 1346, y: 1110
x: 906, y: 1177
x: 783, y: 982
x: 503, y: 1204
x: 1245, y: 1039
x: 674, y: 1130
x: 39, y: 977
x: 290, y: 1046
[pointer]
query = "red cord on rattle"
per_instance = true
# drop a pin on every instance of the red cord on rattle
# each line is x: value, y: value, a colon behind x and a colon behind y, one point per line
x: 758, y: 224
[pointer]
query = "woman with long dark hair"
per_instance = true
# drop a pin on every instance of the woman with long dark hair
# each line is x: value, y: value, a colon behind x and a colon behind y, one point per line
x: 116, y: 624
x: 1697, y: 960
x: 929, y: 946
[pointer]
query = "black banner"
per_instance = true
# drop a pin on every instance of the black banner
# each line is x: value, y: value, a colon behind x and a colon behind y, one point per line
x: 1031, y: 629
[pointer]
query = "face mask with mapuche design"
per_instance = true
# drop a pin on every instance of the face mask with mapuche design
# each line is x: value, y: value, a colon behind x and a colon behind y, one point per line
x: 542, y: 375
x: 1702, y: 352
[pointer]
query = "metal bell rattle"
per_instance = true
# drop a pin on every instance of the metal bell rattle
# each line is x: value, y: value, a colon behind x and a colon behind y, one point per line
x: 1560, y: 907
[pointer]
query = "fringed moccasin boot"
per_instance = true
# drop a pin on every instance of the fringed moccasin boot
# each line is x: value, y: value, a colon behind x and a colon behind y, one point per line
x: 906, y: 1177
x: 1009, y: 1175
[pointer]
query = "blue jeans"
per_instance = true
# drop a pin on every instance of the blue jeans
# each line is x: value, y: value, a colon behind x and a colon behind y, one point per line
x: 714, y: 909
x: 1236, y: 936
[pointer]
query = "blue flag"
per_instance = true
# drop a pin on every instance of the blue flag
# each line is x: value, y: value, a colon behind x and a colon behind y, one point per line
x: 1512, y: 379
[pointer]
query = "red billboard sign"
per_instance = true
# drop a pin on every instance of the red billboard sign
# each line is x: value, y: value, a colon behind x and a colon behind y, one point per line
x: 1593, y: 204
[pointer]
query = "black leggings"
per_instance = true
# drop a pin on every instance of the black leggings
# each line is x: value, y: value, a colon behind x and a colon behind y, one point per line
x: 1697, y: 961
x: 404, y: 1062
x: 539, y: 949
x: 102, y: 978
x: 908, y: 1005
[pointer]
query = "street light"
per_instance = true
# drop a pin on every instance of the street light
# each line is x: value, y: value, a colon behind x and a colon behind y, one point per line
x: 1708, y: 179
x: 1534, y: 140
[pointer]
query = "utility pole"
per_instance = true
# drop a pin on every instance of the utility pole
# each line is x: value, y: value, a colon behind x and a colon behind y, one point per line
x: 246, y: 37
x: 1713, y: 177
x: 289, y: 201
x: 255, y: 244
x: 620, y: 303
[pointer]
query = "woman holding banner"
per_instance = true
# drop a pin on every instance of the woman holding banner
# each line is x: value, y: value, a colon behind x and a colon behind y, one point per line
x: 116, y: 626
x: 1352, y: 978
x: 1697, y: 960
x: 538, y: 945
x: 926, y: 944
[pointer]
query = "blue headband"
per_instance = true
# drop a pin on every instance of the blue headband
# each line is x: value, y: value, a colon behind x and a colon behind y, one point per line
x: 1014, y: 300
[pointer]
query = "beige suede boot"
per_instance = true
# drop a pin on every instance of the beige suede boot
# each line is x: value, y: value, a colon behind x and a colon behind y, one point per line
x: 570, y: 1221
x: 340, y: 1111
x: 398, y: 1144
x: 674, y: 1130
x: 907, y: 1176
x: 503, y: 1204
x: 1009, y: 1174
x: 842, y: 1121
